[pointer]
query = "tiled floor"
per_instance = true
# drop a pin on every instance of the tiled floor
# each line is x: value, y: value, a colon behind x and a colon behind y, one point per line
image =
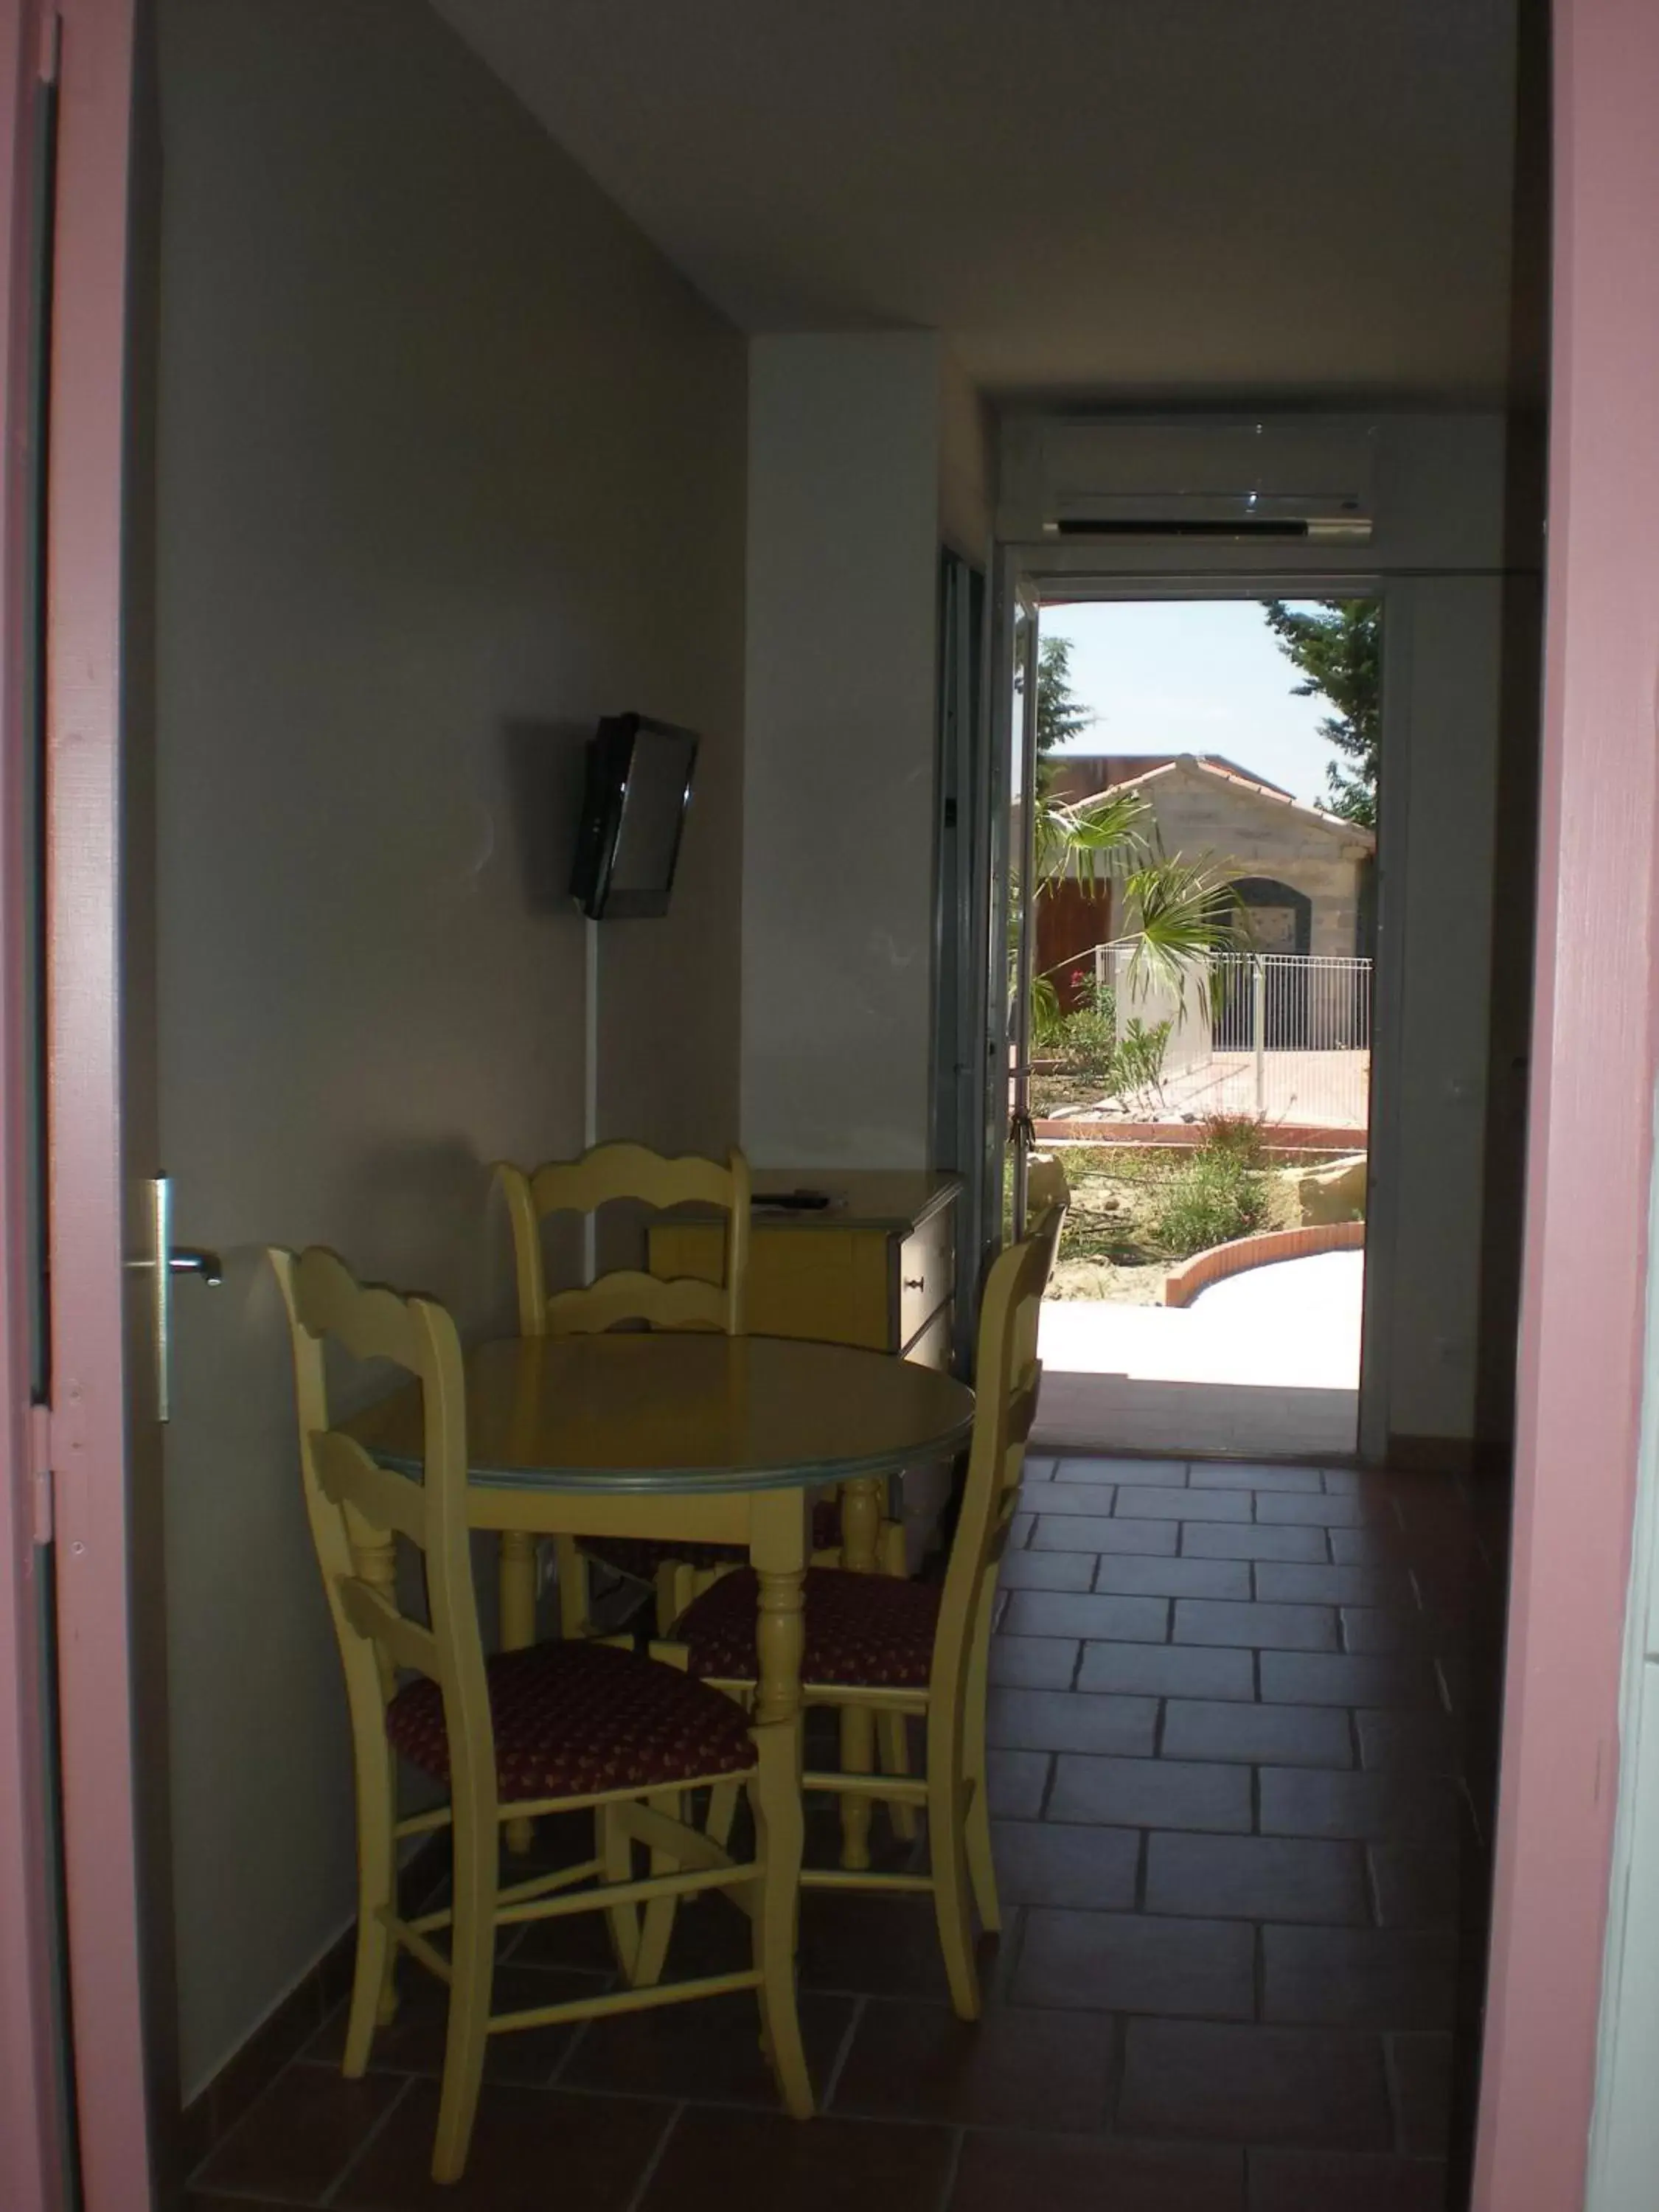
x: 1228, y: 1745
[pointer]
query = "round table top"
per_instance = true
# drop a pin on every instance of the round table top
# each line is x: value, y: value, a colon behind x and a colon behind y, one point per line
x: 679, y: 1411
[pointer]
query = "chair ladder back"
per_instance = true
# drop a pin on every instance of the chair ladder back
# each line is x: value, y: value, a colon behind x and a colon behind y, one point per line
x: 623, y: 1170
x: 357, y: 1507
x: 1006, y: 1381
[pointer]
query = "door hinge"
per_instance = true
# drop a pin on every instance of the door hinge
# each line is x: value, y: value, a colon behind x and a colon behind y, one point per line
x: 41, y: 1487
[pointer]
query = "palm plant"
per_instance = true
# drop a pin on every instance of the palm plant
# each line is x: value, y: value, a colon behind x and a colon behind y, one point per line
x: 1177, y: 913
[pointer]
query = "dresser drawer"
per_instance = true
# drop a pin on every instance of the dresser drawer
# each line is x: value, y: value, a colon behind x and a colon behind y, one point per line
x: 926, y: 1273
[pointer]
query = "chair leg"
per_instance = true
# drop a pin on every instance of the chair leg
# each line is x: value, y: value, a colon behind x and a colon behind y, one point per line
x: 982, y: 1861
x: 895, y: 1553
x: 657, y: 1922
x: 518, y: 1573
x: 676, y: 1587
x: 374, y: 1991
x: 571, y: 1568
x: 722, y: 1812
x: 472, y: 1958
x: 857, y: 1756
x: 780, y: 1831
x: 616, y: 1852
x: 893, y: 1739
x: 952, y: 1883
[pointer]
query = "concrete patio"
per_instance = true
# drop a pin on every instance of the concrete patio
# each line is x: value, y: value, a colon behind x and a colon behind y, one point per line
x: 1267, y: 1361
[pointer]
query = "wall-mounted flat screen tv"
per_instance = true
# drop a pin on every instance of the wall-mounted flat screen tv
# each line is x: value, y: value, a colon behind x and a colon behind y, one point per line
x: 637, y: 789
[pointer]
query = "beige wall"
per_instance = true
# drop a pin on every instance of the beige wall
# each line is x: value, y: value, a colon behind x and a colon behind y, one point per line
x: 450, y: 462
x: 840, y: 746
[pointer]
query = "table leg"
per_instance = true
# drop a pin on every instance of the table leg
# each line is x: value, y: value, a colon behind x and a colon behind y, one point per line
x: 861, y: 1539
x: 778, y: 1553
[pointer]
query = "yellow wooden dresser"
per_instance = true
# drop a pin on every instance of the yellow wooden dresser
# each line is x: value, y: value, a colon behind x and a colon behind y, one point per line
x: 876, y: 1267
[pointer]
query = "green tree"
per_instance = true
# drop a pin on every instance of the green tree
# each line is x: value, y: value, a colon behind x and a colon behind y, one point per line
x: 1338, y: 648
x: 1062, y: 714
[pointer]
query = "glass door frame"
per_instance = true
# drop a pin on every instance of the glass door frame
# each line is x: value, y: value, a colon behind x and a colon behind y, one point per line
x: 1070, y: 572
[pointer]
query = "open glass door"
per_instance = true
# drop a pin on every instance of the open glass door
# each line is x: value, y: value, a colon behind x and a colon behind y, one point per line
x: 1021, y: 927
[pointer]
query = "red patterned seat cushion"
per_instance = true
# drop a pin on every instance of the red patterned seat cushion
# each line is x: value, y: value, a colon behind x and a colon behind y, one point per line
x: 573, y: 1719
x: 872, y: 1630
x: 639, y: 1557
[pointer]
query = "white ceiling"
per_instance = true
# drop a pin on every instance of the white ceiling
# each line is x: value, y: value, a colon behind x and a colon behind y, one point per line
x: 1156, y: 198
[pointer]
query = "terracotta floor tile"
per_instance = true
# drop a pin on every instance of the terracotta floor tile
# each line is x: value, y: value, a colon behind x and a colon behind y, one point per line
x: 876, y: 1946
x: 1137, y: 1505
x: 1167, y: 1670
x: 1344, y: 1510
x: 1047, y: 1570
x: 1151, y: 1793
x: 1416, y: 1886
x: 1039, y: 1862
x: 1147, y: 1473
x: 1210, y: 1540
x: 1008, y: 2172
x: 1015, y: 2068
x: 1298, y: 1678
x: 1283, y: 1735
x: 1137, y: 1573
x: 1336, y: 2181
x: 1377, y: 1545
x: 1017, y: 1782
x: 1387, y: 1629
x: 1033, y: 1662
x: 706, y: 2049
x: 1078, y: 1532
x: 1133, y: 1962
x: 1419, y: 2068
x: 1020, y: 1531
x: 1055, y: 1613
x: 1251, y: 1475
x: 1382, y: 1807
x: 1286, y: 2085
x: 597, y: 2147
x: 1384, y: 1977
x: 719, y: 2162
x: 1258, y: 1624
x: 295, y: 2139
x: 1287, y: 1581
x: 1038, y: 1468
x: 1257, y: 1878
x: 1426, y: 1742
x: 1071, y: 1720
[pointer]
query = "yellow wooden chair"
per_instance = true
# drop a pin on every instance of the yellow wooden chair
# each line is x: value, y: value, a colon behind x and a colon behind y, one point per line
x: 609, y: 1172
x: 898, y: 1650
x: 558, y: 1726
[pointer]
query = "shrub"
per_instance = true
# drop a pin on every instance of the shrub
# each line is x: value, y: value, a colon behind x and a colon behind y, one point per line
x: 1212, y: 1198
x: 1236, y: 1136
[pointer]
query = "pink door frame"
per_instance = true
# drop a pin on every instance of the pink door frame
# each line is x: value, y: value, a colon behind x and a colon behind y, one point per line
x: 31, y: 2177
x: 87, y: 1443
x: 1589, y: 1154
x: 1590, y: 1148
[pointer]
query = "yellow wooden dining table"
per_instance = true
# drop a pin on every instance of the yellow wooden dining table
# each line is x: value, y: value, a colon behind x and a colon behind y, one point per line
x: 703, y: 1438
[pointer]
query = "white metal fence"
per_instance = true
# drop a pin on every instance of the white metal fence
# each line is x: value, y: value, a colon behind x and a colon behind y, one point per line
x: 1285, y: 1036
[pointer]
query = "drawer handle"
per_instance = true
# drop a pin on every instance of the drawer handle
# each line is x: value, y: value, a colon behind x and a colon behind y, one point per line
x: 916, y: 1282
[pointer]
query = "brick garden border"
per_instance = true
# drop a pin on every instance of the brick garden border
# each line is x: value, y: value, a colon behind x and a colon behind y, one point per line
x: 1278, y: 1136
x: 1182, y: 1283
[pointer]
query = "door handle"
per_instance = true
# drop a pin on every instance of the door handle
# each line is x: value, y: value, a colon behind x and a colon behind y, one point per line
x: 188, y: 1260
x: 165, y: 1259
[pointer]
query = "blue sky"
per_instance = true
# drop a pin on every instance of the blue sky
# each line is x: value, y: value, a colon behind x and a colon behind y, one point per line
x: 1193, y: 675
